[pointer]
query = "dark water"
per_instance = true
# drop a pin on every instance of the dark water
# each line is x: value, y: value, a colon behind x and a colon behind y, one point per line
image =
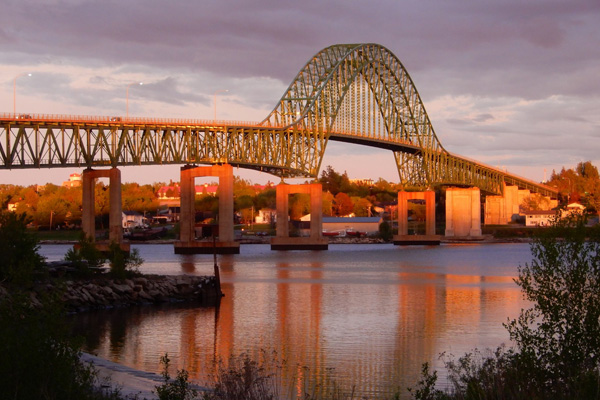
x: 365, y: 316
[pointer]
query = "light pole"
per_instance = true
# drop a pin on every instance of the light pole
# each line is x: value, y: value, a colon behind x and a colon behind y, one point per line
x: 215, y: 101
x: 127, y: 97
x: 15, y: 91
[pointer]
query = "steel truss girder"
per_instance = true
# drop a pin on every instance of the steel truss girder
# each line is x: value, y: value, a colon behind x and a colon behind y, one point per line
x: 359, y: 93
x: 283, y: 152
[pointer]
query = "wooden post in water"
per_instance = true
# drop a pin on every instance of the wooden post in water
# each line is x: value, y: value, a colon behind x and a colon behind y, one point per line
x: 218, y: 291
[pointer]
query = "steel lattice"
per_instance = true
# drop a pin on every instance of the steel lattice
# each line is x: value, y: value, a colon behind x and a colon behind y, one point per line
x: 357, y: 93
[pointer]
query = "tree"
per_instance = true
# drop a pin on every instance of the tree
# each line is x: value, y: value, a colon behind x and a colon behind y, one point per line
x: 559, y: 337
x: 19, y: 249
x: 327, y: 207
x: 362, y: 207
x: 557, y: 340
x: 138, y: 198
x: 534, y: 202
x: 343, y: 204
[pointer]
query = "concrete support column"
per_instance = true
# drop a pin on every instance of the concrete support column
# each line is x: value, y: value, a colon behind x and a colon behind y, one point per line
x: 403, y: 238
x: 88, y: 213
x: 403, y: 213
x: 115, y: 214
x: 225, y: 174
x: 463, y: 213
x: 475, y: 230
x: 316, y: 211
x: 495, y: 211
x: 115, y: 219
x: 187, y: 243
x: 429, y: 213
x: 282, y: 202
x: 511, y: 196
x: 315, y: 241
x: 186, y: 209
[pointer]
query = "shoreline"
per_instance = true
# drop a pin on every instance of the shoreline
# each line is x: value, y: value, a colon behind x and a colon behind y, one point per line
x: 132, y: 383
x: 485, y: 239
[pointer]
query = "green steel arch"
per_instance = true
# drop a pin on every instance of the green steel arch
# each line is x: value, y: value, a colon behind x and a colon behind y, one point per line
x: 361, y: 93
x: 355, y: 93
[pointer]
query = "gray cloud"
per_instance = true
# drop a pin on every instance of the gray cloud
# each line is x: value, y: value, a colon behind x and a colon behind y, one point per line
x: 512, y: 57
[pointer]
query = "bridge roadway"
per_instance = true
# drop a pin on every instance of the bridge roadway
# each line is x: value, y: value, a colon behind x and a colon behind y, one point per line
x: 59, y: 141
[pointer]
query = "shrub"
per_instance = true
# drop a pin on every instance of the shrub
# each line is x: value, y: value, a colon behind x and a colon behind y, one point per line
x: 123, y: 264
x: 385, y: 231
x: 85, y: 256
x: 175, y: 389
x: 19, y: 249
x: 557, y: 340
x: 40, y: 359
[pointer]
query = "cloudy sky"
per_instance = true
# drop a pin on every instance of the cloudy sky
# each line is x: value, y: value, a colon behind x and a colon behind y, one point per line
x: 511, y: 83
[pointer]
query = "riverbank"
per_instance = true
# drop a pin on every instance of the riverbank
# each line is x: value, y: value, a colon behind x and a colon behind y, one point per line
x: 486, y: 238
x: 131, y: 383
x: 95, y: 293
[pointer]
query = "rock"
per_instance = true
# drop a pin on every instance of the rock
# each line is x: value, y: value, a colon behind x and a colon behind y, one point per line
x: 122, y: 289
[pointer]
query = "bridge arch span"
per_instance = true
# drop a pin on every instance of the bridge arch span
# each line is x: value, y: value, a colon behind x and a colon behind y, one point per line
x: 355, y: 93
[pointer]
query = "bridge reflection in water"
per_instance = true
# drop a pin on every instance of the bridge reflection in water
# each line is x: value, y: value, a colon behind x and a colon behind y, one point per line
x: 362, y: 315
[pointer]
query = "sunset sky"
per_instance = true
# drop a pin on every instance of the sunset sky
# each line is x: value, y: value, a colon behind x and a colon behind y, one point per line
x: 514, y: 84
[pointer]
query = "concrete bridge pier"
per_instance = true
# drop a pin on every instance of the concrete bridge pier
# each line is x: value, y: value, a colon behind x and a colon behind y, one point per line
x: 501, y: 210
x: 463, y: 213
x: 282, y: 240
x: 187, y: 243
x: 429, y: 238
x: 88, y: 213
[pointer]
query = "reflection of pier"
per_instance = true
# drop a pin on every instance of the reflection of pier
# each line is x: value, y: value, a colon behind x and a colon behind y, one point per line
x: 318, y: 315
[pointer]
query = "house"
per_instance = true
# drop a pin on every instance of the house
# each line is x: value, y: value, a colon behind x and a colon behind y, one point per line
x: 133, y: 219
x: 539, y: 217
x: 74, y: 181
x: 171, y: 213
x: 266, y: 216
x: 573, y: 208
x: 545, y: 217
x: 369, y: 225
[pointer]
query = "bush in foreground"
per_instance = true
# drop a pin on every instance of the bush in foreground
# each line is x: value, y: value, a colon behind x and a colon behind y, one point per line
x: 556, y: 351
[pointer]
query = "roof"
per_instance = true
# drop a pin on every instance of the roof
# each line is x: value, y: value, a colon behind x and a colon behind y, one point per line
x: 134, y: 213
x: 540, y: 212
x: 362, y: 220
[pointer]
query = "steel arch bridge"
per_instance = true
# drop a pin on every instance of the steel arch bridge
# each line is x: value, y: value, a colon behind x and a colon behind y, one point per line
x: 356, y: 93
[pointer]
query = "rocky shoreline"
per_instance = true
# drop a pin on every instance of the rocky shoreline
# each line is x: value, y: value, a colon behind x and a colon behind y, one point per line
x: 103, y: 293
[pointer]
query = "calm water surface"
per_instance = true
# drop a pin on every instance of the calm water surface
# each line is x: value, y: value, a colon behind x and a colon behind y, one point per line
x: 360, y: 315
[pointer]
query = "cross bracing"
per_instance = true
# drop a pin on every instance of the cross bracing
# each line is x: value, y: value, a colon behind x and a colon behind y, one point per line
x: 356, y: 93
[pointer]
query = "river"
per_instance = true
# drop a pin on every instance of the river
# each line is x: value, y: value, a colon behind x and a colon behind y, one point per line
x: 363, y: 316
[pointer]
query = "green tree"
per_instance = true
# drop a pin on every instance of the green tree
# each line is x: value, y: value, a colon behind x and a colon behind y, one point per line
x: 299, y: 205
x: 19, y: 249
x: 557, y: 340
x: 123, y: 264
x: 559, y: 337
x: 362, y: 207
x: 138, y: 198
x: 385, y: 231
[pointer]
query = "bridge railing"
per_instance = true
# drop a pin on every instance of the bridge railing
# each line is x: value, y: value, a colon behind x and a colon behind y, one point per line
x: 117, y: 119
x: 511, y: 178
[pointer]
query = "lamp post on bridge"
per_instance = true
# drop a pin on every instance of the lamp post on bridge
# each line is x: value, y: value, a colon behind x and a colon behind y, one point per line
x: 215, y: 100
x: 127, y: 96
x: 15, y: 91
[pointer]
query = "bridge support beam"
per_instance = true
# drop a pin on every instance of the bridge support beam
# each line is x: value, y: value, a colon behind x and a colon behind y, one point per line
x: 88, y: 213
x: 187, y: 243
x: 429, y: 238
x: 282, y: 240
x: 463, y: 213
